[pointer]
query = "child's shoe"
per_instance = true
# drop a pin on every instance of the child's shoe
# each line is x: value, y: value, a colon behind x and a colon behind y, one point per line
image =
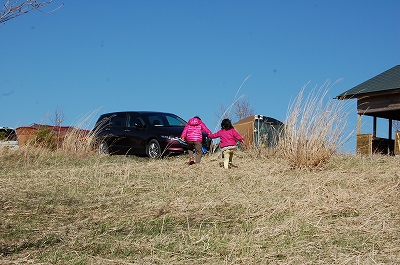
x: 232, y: 165
x: 191, y: 161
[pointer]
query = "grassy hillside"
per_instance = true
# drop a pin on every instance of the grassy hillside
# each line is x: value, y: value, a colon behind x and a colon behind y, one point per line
x: 60, y: 209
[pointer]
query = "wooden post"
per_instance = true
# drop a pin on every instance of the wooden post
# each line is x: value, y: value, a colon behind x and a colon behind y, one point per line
x: 359, y: 124
x: 374, y: 128
x: 364, y: 144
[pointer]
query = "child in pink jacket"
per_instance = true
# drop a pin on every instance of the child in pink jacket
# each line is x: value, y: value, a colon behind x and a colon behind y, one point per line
x: 228, y: 137
x: 192, y: 133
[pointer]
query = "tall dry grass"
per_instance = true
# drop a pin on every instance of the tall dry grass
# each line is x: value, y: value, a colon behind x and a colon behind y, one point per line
x: 314, y: 128
x: 78, y: 140
x: 81, y: 140
x: 59, y: 209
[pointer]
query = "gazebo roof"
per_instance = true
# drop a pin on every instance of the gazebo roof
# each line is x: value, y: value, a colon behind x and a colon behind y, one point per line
x: 388, y: 80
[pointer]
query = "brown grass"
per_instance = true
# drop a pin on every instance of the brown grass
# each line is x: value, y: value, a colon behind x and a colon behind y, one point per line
x: 72, y: 206
x: 59, y: 209
x: 314, y: 128
x: 76, y: 141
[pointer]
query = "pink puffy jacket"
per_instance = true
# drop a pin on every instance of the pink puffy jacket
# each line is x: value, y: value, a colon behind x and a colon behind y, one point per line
x: 228, y: 137
x: 193, y: 130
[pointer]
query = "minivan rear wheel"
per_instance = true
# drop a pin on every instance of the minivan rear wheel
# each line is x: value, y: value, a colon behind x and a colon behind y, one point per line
x: 153, y: 149
x: 103, y: 149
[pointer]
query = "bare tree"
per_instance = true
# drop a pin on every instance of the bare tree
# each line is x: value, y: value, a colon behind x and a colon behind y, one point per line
x: 222, y: 113
x: 58, y: 116
x: 243, y: 109
x: 13, y: 9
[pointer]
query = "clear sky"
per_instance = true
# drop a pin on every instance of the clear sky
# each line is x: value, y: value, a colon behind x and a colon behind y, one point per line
x: 188, y: 57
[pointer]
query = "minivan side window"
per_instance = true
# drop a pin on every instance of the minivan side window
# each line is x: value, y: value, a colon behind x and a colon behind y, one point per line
x: 156, y: 120
x: 118, y: 120
x: 134, y: 121
x: 175, y: 121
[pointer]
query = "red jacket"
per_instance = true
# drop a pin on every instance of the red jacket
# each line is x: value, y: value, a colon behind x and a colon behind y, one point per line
x: 193, y: 130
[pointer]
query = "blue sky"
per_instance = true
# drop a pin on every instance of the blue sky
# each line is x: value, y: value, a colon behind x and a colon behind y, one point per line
x: 189, y: 57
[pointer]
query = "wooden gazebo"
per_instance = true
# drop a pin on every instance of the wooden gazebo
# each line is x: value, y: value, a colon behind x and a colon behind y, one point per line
x: 378, y: 97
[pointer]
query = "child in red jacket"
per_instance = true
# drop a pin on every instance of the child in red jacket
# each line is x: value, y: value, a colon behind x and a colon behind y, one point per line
x: 192, y: 133
x: 228, y: 137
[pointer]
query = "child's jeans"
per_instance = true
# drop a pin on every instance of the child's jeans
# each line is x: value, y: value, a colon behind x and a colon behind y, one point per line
x: 228, y: 154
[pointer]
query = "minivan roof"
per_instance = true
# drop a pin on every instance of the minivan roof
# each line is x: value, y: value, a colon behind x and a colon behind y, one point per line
x: 139, y: 111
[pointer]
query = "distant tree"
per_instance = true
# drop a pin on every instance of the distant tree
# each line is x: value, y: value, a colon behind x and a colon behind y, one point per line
x: 13, y: 9
x: 243, y: 109
x: 222, y: 113
x: 58, y: 116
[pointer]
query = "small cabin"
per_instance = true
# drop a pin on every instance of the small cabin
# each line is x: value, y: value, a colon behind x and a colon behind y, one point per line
x: 379, y: 98
x: 259, y: 130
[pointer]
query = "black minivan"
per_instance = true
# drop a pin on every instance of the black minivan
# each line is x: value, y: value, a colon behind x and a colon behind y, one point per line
x: 154, y: 134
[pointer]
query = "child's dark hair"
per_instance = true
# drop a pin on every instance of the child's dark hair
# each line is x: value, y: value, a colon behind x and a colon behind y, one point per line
x: 226, y: 124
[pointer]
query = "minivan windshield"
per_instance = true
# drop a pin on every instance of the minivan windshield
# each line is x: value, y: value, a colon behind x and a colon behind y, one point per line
x: 166, y: 120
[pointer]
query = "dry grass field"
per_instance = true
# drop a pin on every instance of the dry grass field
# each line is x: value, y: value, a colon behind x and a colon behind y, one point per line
x: 63, y: 209
x: 298, y: 203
